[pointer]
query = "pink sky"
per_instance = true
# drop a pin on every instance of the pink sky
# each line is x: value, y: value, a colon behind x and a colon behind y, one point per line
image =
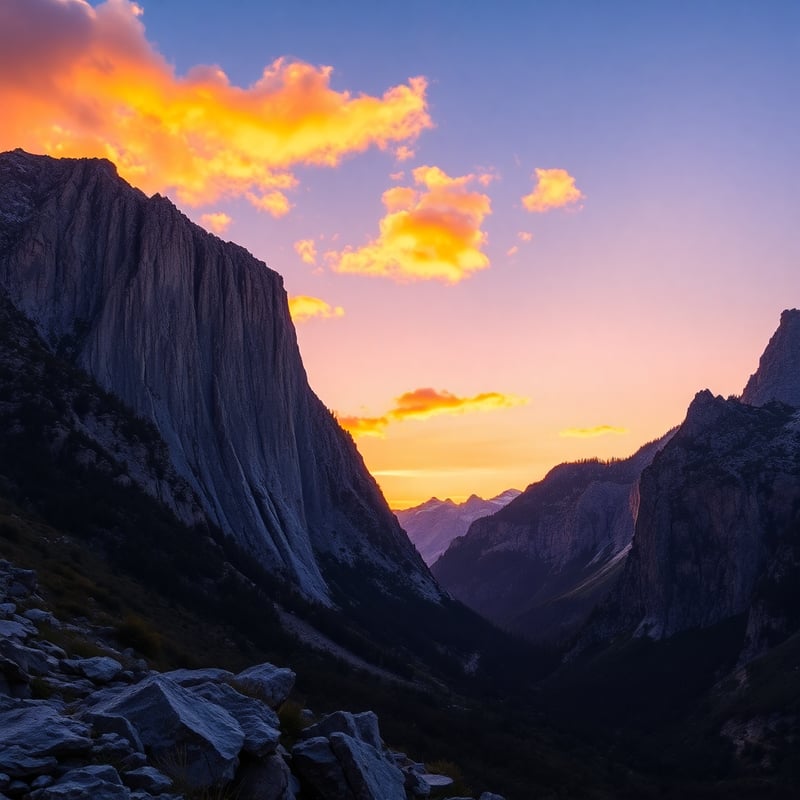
x: 511, y: 238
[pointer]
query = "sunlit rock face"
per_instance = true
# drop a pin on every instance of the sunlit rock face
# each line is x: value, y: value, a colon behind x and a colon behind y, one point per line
x: 194, y: 334
x: 778, y: 373
x: 539, y: 565
x: 718, y: 532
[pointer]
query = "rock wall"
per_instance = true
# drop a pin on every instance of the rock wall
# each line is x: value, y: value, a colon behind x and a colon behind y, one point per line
x: 194, y: 334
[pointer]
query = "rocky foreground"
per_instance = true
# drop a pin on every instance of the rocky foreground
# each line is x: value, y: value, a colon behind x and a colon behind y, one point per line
x: 107, y: 727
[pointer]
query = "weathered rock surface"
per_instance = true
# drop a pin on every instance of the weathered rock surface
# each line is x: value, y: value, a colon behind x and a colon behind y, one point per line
x: 270, y: 684
x: 540, y: 565
x: 720, y: 509
x: 778, y: 373
x: 121, y: 283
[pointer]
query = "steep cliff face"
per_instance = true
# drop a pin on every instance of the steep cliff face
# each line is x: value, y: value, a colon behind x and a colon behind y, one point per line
x: 719, y: 506
x: 539, y: 565
x: 194, y: 334
x: 778, y: 373
x: 434, y: 524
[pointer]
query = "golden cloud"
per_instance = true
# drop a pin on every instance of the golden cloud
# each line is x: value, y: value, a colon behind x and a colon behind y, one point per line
x: 302, y: 308
x: 432, y: 232
x: 597, y: 430
x: 512, y: 251
x: 525, y: 236
x: 555, y: 188
x: 77, y: 80
x: 425, y: 403
x: 307, y: 251
x: 216, y: 221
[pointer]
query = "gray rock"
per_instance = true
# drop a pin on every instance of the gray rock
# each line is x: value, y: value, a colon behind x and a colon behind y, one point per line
x: 269, y: 779
x: 267, y: 682
x: 38, y: 616
x: 98, y: 782
x: 16, y: 629
x: 315, y: 763
x: 149, y: 779
x: 31, y: 659
x: 5, y: 780
x: 40, y: 730
x: 42, y: 781
x: 195, y: 740
x: 111, y: 747
x: 259, y: 722
x: 114, y: 723
x: 363, y: 727
x: 17, y: 763
x: 194, y: 677
x: 414, y: 783
x: 371, y: 775
x: 491, y: 796
x: 7, y: 610
x: 436, y: 781
x: 99, y: 669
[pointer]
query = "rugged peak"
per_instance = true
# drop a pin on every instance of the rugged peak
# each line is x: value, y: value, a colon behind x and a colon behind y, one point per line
x: 778, y: 373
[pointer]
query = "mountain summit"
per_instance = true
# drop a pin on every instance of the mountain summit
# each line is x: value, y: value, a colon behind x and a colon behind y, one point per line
x: 778, y: 373
x: 194, y: 334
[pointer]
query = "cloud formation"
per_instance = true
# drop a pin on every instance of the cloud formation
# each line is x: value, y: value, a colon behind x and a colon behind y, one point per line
x: 302, y: 308
x: 424, y: 403
x: 431, y: 231
x: 216, y: 221
x: 588, y: 433
x: 307, y: 250
x: 77, y: 80
x: 555, y: 188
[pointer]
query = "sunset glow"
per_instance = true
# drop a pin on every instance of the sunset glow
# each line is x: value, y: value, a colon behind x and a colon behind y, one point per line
x: 559, y: 213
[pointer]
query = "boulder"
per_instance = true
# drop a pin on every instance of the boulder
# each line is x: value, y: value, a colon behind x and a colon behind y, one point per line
x: 194, y: 677
x: 268, y: 779
x: 259, y: 722
x: 491, y: 796
x: 99, y: 669
x: 267, y: 682
x: 114, y: 723
x: 315, y: 763
x: 371, y: 775
x: 189, y: 737
x: 40, y: 730
x: 148, y: 779
x: 98, y: 781
x: 17, y: 763
x: 363, y: 727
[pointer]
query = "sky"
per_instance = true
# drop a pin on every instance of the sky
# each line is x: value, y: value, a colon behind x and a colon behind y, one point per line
x: 512, y: 233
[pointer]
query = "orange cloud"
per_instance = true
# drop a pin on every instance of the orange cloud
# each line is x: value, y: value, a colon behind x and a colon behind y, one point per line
x: 555, y: 188
x: 217, y: 221
x: 432, y: 232
x: 77, y: 80
x: 302, y: 308
x: 425, y: 403
x: 512, y: 251
x: 404, y: 153
x: 307, y: 251
x: 525, y: 236
x: 597, y: 430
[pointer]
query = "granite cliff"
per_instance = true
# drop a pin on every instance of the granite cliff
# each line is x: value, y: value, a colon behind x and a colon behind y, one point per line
x: 194, y: 335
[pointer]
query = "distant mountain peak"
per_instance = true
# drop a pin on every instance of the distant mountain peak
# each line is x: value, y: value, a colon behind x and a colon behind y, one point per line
x: 778, y: 373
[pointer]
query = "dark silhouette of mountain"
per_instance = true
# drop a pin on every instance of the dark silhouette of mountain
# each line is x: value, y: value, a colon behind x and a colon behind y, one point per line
x: 432, y: 525
x: 539, y: 565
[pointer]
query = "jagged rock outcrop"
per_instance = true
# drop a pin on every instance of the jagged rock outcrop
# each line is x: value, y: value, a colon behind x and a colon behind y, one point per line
x: 539, y: 565
x: 778, y: 373
x: 432, y: 525
x: 720, y: 508
x: 194, y: 334
x: 145, y: 735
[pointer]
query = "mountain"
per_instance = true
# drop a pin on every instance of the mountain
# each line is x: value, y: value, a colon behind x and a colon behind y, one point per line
x: 539, y: 565
x: 718, y: 533
x: 432, y: 525
x: 194, y: 335
x: 778, y: 373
